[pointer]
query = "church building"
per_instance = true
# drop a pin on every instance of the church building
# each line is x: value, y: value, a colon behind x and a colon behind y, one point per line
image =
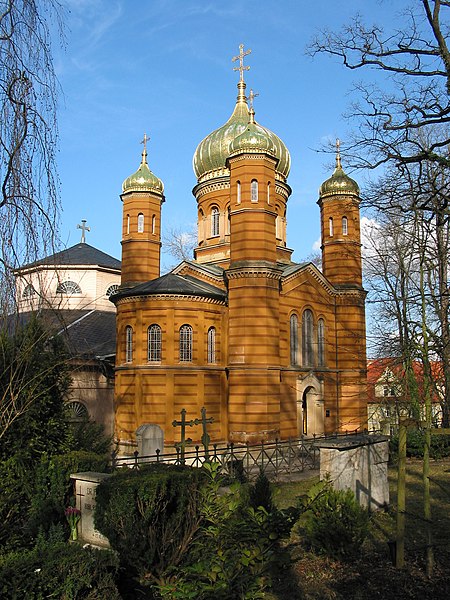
x: 271, y: 348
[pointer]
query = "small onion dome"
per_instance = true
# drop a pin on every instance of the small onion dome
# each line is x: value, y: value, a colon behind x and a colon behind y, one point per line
x: 211, y: 154
x: 339, y: 183
x: 254, y: 139
x: 143, y: 180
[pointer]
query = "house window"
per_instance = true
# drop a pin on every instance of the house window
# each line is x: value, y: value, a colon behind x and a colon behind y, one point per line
x: 128, y: 344
x: 278, y: 227
x: 254, y: 191
x: 211, y: 345
x: 307, y: 338
x: 238, y: 197
x: 154, y: 343
x: 344, y: 226
x: 268, y: 193
x: 140, y: 223
x: 215, y: 221
x: 321, y: 342
x: 112, y: 289
x: 294, y: 339
x: 185, y: 343
x: 228, y: 221
x: 28, y: 291
x: 154, y: 224
x: 330, y: 222
x: 128, y: 223
x: 68, y: 288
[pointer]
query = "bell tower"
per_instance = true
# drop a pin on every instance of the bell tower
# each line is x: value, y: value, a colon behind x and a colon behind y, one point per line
x: 142, y: 197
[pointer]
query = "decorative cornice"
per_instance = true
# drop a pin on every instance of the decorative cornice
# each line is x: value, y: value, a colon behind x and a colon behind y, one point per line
x: 169, y: 298
x: 316, y: 274
x: 255, y: 271
x: 206, y: 187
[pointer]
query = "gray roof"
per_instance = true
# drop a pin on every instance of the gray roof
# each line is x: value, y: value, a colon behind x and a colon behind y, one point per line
x: 184, y: 285
x: 80, y: 254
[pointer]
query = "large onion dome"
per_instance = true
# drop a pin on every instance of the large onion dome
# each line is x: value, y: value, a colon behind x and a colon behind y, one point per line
x: 143, y: 180
x: 211, y: 154
x: 339, y: 183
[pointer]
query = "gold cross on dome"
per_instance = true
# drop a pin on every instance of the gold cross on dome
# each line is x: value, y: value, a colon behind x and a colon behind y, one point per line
x: 338, y: 152
x: 144, y: 141
x: 252, y: 97
x: 240, y: 58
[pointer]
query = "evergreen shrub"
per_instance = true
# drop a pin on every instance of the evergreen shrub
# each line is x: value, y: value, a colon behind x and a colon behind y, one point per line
x: 58, y: 570
x: 332, y: 522
x: 415, y: 440
x: 149, y: 516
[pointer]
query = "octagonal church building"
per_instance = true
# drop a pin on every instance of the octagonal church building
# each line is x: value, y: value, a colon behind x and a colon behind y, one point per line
x: 271, y: 348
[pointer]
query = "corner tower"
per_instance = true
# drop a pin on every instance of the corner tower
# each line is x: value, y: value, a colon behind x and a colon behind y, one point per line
x: 142, y: 197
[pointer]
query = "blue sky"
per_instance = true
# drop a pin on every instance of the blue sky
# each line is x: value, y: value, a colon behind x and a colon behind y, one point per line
x: 164, y: 67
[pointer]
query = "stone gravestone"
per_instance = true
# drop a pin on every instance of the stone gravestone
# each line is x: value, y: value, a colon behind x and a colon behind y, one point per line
x: 85, y: 491
x: 150, y: 438
x: 358, y: 463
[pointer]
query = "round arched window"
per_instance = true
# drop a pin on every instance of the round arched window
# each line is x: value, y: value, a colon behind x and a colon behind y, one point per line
x: 68, y: 288
x: 112, y: 289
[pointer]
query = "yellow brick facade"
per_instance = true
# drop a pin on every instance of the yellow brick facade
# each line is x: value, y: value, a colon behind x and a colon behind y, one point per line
x: 271, y: 349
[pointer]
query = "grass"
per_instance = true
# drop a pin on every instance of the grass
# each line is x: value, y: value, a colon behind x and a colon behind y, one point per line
x: 302, y: 575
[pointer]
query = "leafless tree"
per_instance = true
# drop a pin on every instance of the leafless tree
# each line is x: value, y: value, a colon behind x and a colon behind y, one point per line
x: 413, y: 54
x: 29, y: 200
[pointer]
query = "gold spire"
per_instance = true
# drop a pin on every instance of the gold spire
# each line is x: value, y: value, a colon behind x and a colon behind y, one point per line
x: 144, y: 151
x: 338, y: 154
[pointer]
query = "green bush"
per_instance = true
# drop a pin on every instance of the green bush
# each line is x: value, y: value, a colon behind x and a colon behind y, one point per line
x: 149, y: 516
x: 231, y: 554
x: 415, y: 440
x: 332, y: 522
x: 58, y: 570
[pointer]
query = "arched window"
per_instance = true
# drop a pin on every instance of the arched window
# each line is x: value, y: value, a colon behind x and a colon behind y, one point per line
x: 278, y: 227
x: 215, y: 221
x: 185, y: 343
x: 28, y: 291
x: 268, y: 193
x: 344, y: 226
x: 112, y: 289
x: 68, y: 288
x: 211, y: 345
x: 128, y: 344
x: 321, y: 342
x: 75, y: 411
x: 238, y: 197
x: 254, y: 191
x: 294, y: 339
x: 307, y: 338
x: 140, y: 223
x: 154, y: 224
x: 228, y: 221
x: 154, y: 343
x: 128, y: 223
x: 330, y: 222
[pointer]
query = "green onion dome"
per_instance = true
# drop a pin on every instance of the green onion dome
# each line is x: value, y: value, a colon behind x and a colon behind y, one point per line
x: 143, y: 180
x: 253, y: 139
x: 339, y: 183
x: 211, y: 154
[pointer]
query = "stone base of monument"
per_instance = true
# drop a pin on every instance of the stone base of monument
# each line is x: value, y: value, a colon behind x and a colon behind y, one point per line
x: 358, y: 463
x: 85, y: 492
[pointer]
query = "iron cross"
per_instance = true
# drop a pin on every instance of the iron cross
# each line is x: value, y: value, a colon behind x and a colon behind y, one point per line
x: 83, y: 228
x: 240, y: 58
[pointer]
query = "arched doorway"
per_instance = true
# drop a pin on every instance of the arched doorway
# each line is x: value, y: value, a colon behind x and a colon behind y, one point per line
x: 310, y: 407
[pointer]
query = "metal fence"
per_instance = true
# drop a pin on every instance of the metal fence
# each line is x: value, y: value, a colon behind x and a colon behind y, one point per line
x: 278, y: 460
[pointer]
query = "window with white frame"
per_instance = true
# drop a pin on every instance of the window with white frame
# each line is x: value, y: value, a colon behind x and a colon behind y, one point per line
x: 112, y: 289
x: 238, y: 196
x: 140, y: 223
x: 268, y: 193
x: 185, y: 343
x: 294, y: 339
x: 215, y: 223
x: 321, y: 342
x: 68, y: 288
x: 330, y: 224
x: 128, y: 344
x: 154, y: 343
x: 254, y: 190
x: 128, y: 223
x: 154, y: 224
x: 344, y: 226
x: 307, y: 338
x: 211, y: 354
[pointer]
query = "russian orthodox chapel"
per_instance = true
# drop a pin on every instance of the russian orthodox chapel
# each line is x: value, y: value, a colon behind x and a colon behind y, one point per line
x: 271, y: 348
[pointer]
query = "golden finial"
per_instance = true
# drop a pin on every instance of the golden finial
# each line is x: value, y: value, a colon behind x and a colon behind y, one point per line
x: 338, y: 154
x: 144, y: 151
x: 252, y: 97
x: 240, y: 58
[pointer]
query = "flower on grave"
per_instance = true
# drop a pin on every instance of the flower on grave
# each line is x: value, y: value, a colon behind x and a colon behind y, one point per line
x: 73, y: 515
